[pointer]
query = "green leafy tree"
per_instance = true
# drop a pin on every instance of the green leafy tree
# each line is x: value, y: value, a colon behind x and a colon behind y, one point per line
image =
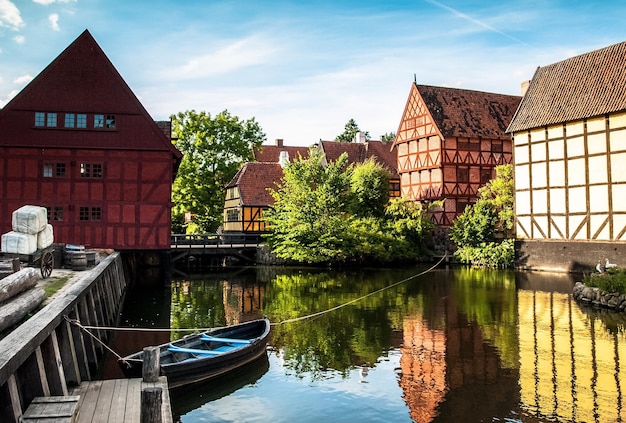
x: 339, y: 214
x: 388, y: 137
x: 307, y: 220
x: 483, y: 231
x: 214, y: 147
x: 350, y: 131
x: 369, y: 184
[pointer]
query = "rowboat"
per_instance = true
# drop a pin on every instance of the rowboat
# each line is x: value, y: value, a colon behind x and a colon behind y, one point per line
x: 207, y: 355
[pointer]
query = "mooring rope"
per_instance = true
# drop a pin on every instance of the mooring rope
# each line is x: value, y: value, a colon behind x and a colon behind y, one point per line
x: 77, y: 323
x: 319, y: 313
x: 296, y: 319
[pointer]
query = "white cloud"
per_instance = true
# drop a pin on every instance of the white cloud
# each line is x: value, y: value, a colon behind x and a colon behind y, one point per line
x: 23, y: 80
x: 54, y: 21
x: 47, y: 2
x: 253, y: 50
x: 20, y: 39
x: 10, y: 16
x: 9, y: 97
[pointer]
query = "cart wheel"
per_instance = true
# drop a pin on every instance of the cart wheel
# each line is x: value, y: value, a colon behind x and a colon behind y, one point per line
x: 47, y: 264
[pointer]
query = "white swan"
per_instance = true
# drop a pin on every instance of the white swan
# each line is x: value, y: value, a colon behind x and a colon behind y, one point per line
x: 609, y: 265
x: 600, y: 267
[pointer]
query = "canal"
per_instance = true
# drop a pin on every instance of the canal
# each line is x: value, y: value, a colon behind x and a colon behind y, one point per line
x: 452, y: 345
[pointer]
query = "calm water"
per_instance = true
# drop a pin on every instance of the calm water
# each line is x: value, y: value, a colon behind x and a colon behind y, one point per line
x: 450, y: 346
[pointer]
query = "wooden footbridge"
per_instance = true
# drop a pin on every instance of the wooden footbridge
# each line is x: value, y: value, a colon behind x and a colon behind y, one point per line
x: 191, y: 249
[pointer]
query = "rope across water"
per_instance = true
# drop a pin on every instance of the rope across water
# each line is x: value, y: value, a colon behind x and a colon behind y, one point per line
x: 296, y: 319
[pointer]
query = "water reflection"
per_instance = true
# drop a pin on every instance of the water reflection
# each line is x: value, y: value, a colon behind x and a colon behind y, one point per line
x: 455, y: 345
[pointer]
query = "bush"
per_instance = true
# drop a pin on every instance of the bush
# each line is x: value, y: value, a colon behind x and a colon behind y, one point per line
x: 613, y: 280
x: 488, y: 254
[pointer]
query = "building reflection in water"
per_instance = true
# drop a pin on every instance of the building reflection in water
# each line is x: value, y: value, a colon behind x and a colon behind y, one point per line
x: 568, y: 367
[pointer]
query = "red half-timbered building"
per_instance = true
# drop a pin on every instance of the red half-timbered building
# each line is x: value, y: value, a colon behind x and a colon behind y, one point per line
x: 448, y: 143
x: 78, y: 141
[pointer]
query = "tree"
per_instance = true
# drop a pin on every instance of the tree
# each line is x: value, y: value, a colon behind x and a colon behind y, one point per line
x: 483, y: 231
x: 369, y: 184
x: 350, y: 131
x: 388, y: 137
x: 307, y: 220
x: 213, y: 147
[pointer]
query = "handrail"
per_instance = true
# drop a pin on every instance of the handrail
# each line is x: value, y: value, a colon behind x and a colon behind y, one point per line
x: 218, y: 240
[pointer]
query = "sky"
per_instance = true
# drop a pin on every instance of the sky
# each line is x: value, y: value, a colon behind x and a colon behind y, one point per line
x: 303, y: 69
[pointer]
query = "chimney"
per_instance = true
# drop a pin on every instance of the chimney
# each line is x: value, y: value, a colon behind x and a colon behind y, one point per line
x: 283, y: 159
x: 279, y: 142
x: 359, y: 137
x: 525, y: 85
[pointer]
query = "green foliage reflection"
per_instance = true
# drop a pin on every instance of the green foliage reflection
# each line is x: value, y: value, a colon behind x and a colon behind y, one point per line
x: 196, y: 304
x: 488, y: 298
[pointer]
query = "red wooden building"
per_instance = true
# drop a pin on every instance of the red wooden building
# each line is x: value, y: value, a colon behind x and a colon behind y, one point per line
x: 449, y: 141
x: 78, y: 141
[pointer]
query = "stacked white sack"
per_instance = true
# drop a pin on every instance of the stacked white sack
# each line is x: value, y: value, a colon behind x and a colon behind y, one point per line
x: 30, y: 219
x: 19, y: 243
x: 45, y: 238
x: 31, y: 231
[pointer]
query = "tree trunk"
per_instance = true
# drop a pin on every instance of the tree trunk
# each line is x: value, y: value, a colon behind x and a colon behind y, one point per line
x: 15, y: 310
x: 18, y: 282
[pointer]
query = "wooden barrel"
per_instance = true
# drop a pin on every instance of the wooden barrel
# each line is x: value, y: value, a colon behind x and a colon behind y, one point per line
x: 77, y: 260
x: 91, y: 258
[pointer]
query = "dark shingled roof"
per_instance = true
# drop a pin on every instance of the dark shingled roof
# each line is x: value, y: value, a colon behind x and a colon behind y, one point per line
x: 577, y: 88
x: 254, y: 179
x: 468, y: 113
x: 359, y: 152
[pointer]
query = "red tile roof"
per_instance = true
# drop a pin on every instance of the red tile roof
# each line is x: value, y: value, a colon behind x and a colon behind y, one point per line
x: 271, y: 153
x: 584, y: 86
x: 359, y: 152
x: 468, y: 113
x: 254, y: 179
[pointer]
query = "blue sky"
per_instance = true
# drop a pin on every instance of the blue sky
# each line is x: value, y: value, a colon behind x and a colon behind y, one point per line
x: 304, y: 68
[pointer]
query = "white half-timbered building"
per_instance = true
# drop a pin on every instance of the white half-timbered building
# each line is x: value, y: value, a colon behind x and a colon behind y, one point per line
x: 569, y: 150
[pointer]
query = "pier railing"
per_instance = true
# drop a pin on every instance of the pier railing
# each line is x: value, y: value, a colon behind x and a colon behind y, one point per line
x: 47, y: 354
x: 214, y: 240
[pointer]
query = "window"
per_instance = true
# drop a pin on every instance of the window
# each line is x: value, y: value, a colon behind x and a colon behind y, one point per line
x: 51, y: 120
x: 40, y: 119
x: 496, y: 147
x: 47, y: 170
x: 60, y: 169
x: 485, y: 176
x: 69, y: 120
x: 462, y: 174
x: 98, y: 121
x: 58, y: 214
x: 91, y: 170
x: 96, y: 213
x: 110, y: 122
x: 231, y: 193
x: 83, y: 213
x: 232, y: 215
x: 53, y: 169
x: 81, y: 121
x: 90, y: 213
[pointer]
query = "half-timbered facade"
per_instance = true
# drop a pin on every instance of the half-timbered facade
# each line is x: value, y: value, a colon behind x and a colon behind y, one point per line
x: 448, y: 143
x: 570, y: 148
x: 247, y: 195
x: 78, y: 141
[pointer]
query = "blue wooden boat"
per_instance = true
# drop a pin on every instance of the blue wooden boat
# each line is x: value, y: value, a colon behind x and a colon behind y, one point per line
x: 207, y: 355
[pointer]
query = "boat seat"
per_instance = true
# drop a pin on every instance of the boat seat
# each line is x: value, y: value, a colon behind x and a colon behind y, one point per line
x: 206, y: 337
x: 196, y: 351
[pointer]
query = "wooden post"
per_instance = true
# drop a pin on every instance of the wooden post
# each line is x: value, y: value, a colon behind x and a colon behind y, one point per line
x: 151, y: 364
x: 151, y: 405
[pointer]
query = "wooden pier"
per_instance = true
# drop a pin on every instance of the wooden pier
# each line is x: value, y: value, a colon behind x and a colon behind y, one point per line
x: 117, y: 401
x: 47, y: 359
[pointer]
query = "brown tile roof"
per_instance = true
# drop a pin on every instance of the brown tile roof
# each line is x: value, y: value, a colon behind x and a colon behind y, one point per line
x: 359, y: 152
x: 271, y: 153
x: 591, y: 84
x: 468, y: 113
x: 254, y: 179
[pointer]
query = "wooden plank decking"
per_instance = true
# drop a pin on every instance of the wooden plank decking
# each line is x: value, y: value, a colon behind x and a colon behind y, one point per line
x: 117, y: 401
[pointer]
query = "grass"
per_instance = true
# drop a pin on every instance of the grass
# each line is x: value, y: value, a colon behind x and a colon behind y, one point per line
x: 613, y: 280
x: 55, y: 285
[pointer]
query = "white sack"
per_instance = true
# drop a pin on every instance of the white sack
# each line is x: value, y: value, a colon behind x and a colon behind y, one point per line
x: 19, y: 243
x: 30, y: 219
x: 45, y: 238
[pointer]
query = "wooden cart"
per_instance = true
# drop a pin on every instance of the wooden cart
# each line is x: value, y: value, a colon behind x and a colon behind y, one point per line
x: 44, y: 259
